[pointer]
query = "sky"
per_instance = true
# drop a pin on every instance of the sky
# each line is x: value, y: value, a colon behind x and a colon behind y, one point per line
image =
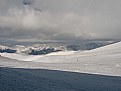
x: 59, y: 20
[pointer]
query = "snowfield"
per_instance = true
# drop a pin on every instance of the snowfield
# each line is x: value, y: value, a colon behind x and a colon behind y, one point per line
x: 103, y: 63
x: 104, y: 60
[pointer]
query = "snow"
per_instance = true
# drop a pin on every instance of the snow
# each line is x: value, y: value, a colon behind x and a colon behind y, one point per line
x: 24, y: 57
x: 104, y: 60
x: 62, y: 53
x: 94, y: 70
x: 20, y: 79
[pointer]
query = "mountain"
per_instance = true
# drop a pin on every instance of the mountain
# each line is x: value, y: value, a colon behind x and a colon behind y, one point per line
x: 103, y: 60
x: 40, y: 49
x: 98, y: 69
x: 6, y: 49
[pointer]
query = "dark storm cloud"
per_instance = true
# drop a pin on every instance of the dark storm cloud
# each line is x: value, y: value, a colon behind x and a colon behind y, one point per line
x: 55, y: 20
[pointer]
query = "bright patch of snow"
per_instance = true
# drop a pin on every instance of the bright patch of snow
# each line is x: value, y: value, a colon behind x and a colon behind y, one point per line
x: 62, y: 53
x: 24, y: 57
x: 20, y: 56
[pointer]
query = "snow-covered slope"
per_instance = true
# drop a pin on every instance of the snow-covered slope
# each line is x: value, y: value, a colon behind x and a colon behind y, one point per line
x: 104, y: 60
x: 63, y: 71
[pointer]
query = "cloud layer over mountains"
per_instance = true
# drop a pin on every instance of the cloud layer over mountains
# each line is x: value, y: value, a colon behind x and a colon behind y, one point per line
x: 59, y: 20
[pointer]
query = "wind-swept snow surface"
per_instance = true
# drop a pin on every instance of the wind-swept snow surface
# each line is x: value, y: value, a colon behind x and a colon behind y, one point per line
x: 20, y: 79
x: 104, y: 60
x: 20, y: 75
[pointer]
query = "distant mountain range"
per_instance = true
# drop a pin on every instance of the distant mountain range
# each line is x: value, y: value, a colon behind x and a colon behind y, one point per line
x: 40, y: 49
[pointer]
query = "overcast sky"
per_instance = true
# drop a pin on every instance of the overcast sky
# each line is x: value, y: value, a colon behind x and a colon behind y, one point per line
x: 60, y: 20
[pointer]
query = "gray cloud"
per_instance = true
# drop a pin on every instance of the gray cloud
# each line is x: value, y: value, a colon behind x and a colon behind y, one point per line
x: 60, y: 20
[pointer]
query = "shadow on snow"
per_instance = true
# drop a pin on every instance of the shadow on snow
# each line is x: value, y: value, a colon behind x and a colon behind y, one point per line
x: 20, y: 79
